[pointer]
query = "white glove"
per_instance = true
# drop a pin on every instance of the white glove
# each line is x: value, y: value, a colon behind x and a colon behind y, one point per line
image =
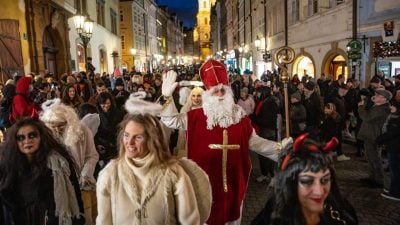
x: 286, y: 141
x: 169, y: 83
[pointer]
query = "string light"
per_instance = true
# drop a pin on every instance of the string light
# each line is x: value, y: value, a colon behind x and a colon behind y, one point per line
x: 386, y: 49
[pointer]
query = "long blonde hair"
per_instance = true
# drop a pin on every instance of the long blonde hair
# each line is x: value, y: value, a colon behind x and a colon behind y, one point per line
x: 155, y: 138
x: 189, y: 104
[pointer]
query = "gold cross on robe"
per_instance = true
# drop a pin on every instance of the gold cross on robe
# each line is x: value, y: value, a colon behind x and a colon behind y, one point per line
x: 224, y: 147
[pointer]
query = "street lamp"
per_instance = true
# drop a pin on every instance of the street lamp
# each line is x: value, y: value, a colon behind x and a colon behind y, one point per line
x: 84, y: 28
x: 265, y: 54
x: 257, y: 43
x: 133, y: 53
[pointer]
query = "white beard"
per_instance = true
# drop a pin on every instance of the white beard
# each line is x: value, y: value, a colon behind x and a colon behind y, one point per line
x: 221, y: 111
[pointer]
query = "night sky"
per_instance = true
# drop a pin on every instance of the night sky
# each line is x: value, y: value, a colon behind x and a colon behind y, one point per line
x: 185, y: 9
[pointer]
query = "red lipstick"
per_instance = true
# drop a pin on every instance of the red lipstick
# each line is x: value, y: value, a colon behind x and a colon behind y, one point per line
x: 317, y: 200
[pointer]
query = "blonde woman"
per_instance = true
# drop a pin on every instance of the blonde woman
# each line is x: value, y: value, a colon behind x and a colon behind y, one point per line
x: 194, y: 101
x: 145, y: 184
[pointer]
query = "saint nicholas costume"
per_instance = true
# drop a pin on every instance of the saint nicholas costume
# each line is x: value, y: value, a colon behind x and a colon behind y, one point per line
x: 221, y: 151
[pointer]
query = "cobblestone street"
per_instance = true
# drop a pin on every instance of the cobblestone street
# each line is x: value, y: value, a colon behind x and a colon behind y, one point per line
x: 372, y: 209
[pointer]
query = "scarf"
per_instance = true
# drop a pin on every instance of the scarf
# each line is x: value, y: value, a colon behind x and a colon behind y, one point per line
x: 64, y: 194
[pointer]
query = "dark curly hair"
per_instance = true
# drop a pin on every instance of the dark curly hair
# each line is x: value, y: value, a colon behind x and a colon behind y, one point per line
x: 13, y: 162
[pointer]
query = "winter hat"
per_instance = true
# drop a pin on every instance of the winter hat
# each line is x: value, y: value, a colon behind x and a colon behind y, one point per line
x: 384, y: 93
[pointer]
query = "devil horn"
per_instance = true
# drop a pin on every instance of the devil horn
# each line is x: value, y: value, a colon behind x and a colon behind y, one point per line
x: 285, y: 162
x: 299, y: 142
x: 329, y: 146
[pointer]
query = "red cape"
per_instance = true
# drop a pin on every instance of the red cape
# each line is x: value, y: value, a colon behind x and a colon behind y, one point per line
x: 226, y: 205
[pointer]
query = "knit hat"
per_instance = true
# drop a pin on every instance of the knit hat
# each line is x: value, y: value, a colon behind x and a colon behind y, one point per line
x: 296, y: 95
x: 384, y: 93
x: 310, y: 86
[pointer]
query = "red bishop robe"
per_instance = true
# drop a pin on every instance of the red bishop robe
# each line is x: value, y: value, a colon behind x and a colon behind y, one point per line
x: 226, y: 205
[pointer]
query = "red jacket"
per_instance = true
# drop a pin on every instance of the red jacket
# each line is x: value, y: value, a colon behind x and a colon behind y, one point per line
x: 22, y: 106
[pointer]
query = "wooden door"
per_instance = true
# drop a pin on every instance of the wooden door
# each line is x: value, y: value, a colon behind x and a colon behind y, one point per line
x: 50, y: 52
x: 11, y: 61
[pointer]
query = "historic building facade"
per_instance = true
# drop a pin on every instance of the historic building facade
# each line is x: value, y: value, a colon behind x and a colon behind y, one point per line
x: 203, y: 28
x: 104, y: 47
x: 34, y: 37
x: 320, y: 32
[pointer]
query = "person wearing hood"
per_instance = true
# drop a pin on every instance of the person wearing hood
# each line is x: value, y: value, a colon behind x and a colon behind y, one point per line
x: 22, y: 106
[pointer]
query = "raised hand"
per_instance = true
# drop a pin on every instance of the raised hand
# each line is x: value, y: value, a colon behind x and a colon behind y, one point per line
x: 169, y: 83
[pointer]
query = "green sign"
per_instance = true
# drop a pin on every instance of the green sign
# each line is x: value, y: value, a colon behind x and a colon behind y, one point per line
x: 355, y: 55
x: 354, y: 45
x: 353, y: 49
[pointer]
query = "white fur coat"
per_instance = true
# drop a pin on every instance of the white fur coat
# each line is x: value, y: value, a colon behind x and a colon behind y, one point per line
x: 144, y: 195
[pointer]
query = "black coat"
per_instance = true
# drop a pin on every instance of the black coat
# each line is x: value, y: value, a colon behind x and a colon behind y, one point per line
x: 314, y: 110
x: 391, y: 138
x: 30, y: 201
x: 264, y: 217
x: 298, y: 118
x: 266, y: 118
x: 106, y: 135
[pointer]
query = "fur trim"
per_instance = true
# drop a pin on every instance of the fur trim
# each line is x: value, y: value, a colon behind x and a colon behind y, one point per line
x: 50, y: 103
x: 140, y: 198
x: 139, y: 94
x: 185, y: 83
x: 136, y: 105
x: 65, y: 198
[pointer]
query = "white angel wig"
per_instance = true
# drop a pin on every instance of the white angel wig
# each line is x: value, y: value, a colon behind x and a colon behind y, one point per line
x: 60, y: 113
x: 221, y: 110
x: 189, y: 104
x: 155, y: 139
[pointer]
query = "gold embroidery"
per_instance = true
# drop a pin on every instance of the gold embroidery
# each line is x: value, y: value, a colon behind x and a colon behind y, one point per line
x: 224, y: 147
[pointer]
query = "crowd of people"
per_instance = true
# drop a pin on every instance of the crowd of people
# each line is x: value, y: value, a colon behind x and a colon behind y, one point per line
x: 173, y: 147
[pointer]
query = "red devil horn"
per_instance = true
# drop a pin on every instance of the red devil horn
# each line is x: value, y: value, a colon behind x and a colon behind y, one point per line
x: 329, y: 146
x: 299, y: 142
x: 285, y: 162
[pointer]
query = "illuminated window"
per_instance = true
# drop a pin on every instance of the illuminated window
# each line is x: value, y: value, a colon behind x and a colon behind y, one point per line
x: 100, y: 12
x: 113, y: 17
